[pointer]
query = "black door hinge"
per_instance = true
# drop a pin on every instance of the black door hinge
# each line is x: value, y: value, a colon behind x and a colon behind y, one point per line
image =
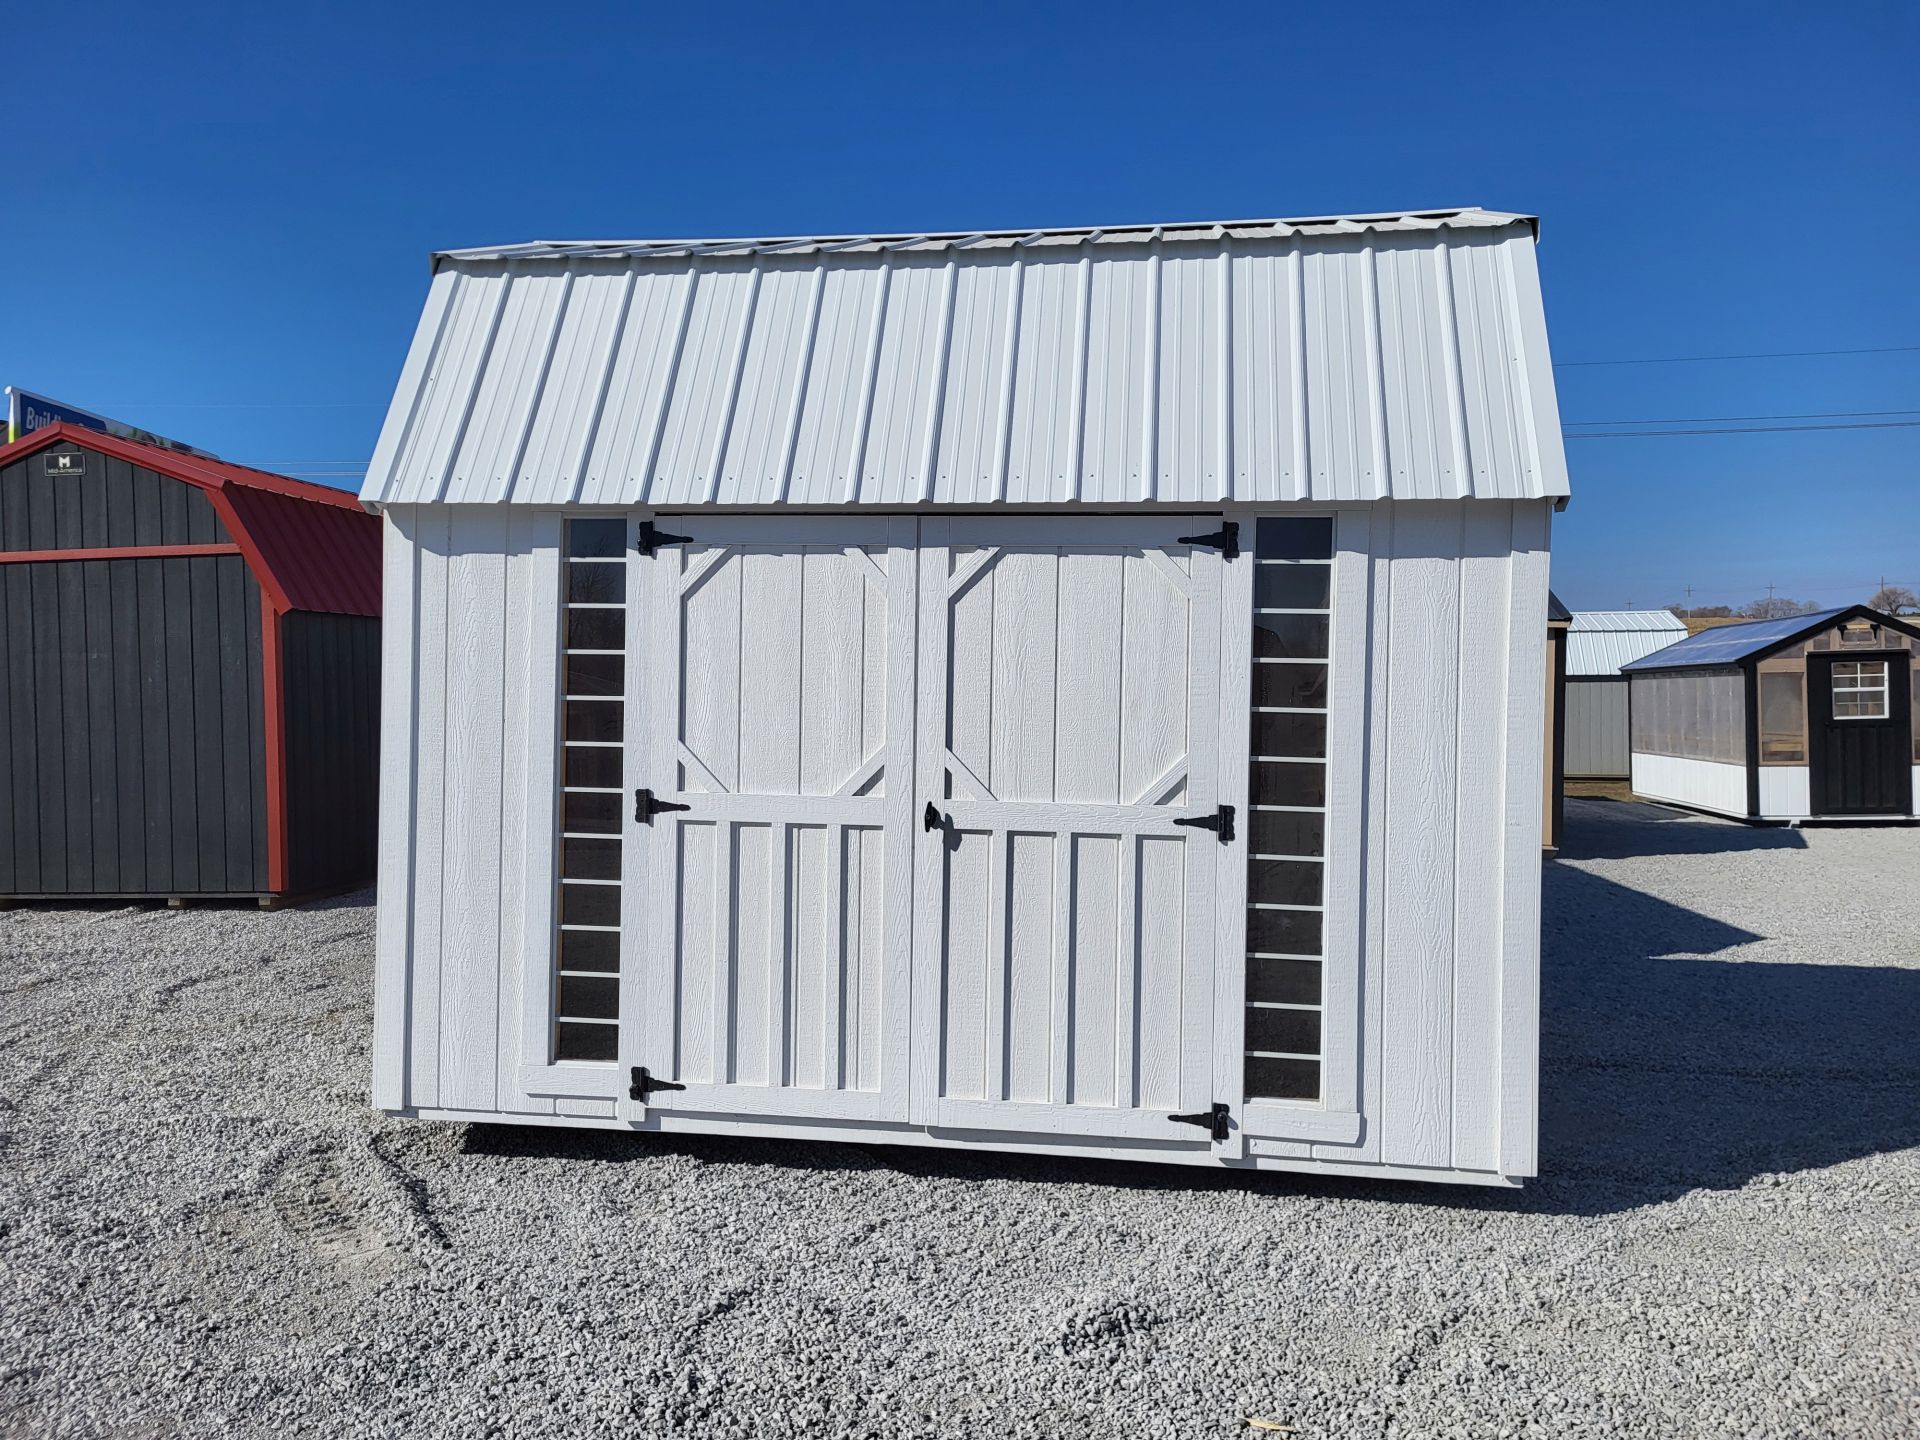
x: 645, y: 807
x: 1213, y: 1120
x: 1220, y: 822
x: 651, y: 538
x: 645, y: 1084
x: 1226, y: 540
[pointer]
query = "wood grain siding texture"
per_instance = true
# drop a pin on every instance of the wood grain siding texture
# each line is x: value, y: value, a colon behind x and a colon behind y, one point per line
x: 134, y: 758
x: 462, y: 727
x: 330, y: 674
x: 1450, y: 906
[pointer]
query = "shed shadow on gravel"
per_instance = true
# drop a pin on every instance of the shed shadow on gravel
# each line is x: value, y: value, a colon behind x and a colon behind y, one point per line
x: 1633, y: 828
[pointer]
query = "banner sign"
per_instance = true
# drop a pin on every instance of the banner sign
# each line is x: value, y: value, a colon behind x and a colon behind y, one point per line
x: 28, y: 412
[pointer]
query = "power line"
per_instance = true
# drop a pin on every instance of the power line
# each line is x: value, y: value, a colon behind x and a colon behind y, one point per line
x: 1747, y: 430
x: 1753, y: 355
x: 1708, y: 419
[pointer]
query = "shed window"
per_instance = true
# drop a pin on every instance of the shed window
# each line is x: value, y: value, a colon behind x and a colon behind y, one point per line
x: 1783, y: 718
x: 1860, y: 690
x: 1287, y: 790
x: 592, y: 679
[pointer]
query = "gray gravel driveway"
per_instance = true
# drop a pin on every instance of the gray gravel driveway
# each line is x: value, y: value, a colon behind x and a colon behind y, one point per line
x: 205, y: 1231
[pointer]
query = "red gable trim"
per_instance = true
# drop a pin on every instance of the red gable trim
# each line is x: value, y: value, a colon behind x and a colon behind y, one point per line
x: 309, y: 546
x: 116, y: 552
x: 194, y: 469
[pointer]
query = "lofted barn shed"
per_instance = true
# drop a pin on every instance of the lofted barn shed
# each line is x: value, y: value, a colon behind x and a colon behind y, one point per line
x: 189, y: 664
x: 1071, y: 691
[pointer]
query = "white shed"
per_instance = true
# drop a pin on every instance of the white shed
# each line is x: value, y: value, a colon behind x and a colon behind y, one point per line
x: 1068, y: 691
x: 1599, y: 642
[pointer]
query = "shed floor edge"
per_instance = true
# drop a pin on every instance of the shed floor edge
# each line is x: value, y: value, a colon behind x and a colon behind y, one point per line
x: 669, y: 1124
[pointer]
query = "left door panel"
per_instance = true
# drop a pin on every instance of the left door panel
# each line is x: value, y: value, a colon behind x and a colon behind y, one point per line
x: 770, y: 946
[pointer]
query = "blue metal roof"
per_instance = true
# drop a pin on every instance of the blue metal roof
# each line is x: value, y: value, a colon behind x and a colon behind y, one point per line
x: 1730, y: 644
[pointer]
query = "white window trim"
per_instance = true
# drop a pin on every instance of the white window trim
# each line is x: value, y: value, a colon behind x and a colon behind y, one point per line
x: 1335, y: 1117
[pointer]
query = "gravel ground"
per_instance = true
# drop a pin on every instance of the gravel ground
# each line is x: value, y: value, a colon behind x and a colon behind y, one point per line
x: 204, y: 1231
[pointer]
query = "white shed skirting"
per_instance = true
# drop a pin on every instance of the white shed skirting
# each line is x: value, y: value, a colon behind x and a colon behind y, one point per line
x: 1785, y: 792
x: 1702, y: 784
x: 1431, y: 925
x: 1193, y: 366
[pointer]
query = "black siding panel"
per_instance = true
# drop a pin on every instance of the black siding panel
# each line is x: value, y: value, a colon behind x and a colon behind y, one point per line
x: 131, y: 758
x: 331, y: 665
x: 113, y: 503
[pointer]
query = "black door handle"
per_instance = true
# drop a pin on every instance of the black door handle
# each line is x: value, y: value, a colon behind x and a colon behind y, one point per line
x: 932, y: 819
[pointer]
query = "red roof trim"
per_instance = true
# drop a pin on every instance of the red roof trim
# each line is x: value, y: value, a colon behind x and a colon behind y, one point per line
x: 194, y: 469
x: 309, y: 546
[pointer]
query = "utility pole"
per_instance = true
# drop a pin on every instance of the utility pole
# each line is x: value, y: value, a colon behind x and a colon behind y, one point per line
x: 1689, y: 607
x: 1770, y: 602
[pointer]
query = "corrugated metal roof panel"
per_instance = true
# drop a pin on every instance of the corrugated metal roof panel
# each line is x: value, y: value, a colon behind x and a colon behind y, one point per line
x: 1350, y: 358
x: 1599, y: 642
x: 1727, y: 644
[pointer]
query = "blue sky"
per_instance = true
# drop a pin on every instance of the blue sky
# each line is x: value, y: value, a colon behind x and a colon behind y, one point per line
x: 219, y: 219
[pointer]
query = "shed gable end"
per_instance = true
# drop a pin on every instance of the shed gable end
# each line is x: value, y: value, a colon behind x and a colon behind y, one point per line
x: 109, y: 503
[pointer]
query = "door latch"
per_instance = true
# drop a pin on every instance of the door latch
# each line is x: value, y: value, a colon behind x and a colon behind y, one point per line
x: 645, y: 807
x: 644, y: 1084
x: 932, y: 819
x: 1220, y: 822
x: 1226, y: 540
x: 650, y: 538
x: 1213, y: 1120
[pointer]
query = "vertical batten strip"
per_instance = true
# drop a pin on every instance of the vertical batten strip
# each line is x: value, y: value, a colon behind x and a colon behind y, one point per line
x: 743, y: 338
x: 669, y: 383
x: 609, y: 362
x: 876, y: 329
x: 833, y: 966
x: 936, y: 396
x: 799, y: 405
x: 538, y: 389
x: 1059, y: 1090
x: 1083, y: 338
x: 1009, y: 364
x: 399, y: 798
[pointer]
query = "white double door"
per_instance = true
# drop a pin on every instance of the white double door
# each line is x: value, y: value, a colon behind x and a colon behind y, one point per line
x: 928, y: 868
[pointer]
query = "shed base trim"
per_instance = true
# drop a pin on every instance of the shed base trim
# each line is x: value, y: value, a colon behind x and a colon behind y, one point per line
x: 972, y: 1141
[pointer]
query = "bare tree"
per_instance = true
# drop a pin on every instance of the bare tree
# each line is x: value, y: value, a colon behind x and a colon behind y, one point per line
x: 1894, y: 600
x: 1777, y: 607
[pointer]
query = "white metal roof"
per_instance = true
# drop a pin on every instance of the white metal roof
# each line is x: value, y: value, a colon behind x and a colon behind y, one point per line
x: 1599, y: 642
x: 1356, y: 357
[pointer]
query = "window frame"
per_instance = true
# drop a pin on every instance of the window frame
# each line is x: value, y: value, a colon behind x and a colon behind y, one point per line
x: 1858, y: 691
x: 1334, y: 1118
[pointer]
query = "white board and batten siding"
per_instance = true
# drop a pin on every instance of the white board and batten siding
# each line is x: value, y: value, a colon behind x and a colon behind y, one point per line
x: 1063, y: 715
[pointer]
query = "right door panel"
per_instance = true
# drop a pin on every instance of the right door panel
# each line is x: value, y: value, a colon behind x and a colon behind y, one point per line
x: 1063, y: 956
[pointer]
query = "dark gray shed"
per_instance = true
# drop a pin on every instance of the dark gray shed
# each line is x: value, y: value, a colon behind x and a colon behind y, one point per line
x: 189, y: 658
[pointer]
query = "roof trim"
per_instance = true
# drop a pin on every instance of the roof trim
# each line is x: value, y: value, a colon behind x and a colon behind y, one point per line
x: 313, y: 571
x: 175, y: 464
x: 1311, y: 226
x: 1817, y: 621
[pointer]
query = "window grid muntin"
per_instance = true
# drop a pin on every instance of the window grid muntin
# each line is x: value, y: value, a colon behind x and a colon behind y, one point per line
x: 1290, y: 545
x: 1860, y: 689
x: 579, y: 1036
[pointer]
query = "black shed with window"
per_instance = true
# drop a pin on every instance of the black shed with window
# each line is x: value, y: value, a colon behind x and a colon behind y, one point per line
x: 1807, y: 717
